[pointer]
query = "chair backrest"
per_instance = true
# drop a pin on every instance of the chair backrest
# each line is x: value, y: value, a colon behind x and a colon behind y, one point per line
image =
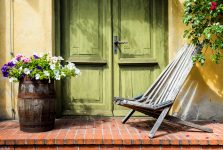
x: 168, y: 84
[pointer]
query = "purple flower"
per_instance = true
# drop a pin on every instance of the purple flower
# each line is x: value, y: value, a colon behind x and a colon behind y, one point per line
x: 5, y: 74
x: 5, y: 67
x: 11, y: 64
x: 4, y: 70
x: 35, y: 56
x: 22, y: 75
x: 18, y: 57
x: 39, y: 67
x: 26, y: 60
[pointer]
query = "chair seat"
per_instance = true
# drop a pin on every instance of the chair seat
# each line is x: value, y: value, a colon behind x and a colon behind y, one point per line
x: 134, y: 103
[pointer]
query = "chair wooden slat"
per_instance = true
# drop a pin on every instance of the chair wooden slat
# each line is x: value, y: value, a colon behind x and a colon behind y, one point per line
x: 170, y: 78
x: 175, y: 79
x: 165, y: 73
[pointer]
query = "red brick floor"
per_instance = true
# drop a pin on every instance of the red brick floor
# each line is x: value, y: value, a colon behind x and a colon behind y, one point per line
x: 110, y: 133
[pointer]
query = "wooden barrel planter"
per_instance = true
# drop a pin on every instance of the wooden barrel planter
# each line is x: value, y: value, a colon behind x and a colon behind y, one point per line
x: 36, y: 105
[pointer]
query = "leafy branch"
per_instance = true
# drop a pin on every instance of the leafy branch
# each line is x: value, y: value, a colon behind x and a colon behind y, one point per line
x: 204, y: 20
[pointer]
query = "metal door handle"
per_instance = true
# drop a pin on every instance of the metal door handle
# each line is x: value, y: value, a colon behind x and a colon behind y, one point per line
x: 116, y: 44
x: 120, y: 42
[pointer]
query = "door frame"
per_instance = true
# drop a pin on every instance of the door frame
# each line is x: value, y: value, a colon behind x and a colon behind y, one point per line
x: 57, y: 46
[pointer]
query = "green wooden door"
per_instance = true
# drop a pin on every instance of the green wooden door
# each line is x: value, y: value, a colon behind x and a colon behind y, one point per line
x: 142, y: 23
x: 87, y: 30
x: 86, y: 41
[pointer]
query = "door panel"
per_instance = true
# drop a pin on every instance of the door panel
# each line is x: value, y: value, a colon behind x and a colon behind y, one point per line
x: 131, y: 84
x: 136, y: 64
x: 86, y: 42
x: 134, y: 27
x: 87, y: 29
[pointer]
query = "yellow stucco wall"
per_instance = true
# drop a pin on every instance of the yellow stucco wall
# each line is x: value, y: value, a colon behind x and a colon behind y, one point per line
x: 175, y: 26
x: 202, y: 94
x: 30, y: 30
x: 5, y: 87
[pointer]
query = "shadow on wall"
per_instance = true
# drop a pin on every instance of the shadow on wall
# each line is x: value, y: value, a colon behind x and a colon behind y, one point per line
x: 201, y: 97
x: 34, y: 4
x: 213, y: 75
x: 3, y: 112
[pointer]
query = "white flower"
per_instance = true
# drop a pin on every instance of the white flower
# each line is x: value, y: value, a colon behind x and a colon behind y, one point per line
x: 20, y: 68
x: 70, y: 66
x: 60, y: 58
x: 63, y: 74
x: 57, y: 77
x: 46, y: 73
x: 14, y: 61
x: 27, y: 71
x: 217, y: 23
x: 52, y: 66
x: 41, y: 55
x: 54, y: 59
x: 56, y: 72
x: 77, y: 71
x: 37, y: 76
x: 12, y: 79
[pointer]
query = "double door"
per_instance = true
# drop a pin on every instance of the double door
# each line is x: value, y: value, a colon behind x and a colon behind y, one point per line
x: 119, y: 46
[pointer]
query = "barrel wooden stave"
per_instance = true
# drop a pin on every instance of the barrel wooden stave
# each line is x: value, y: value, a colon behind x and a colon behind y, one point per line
x: 36, y: 106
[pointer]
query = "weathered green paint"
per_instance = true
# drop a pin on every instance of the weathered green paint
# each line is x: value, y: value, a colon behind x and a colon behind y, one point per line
x: 58, y: 53
x: 87, y: 42
x: 87, y: 27
x: 142, y: 24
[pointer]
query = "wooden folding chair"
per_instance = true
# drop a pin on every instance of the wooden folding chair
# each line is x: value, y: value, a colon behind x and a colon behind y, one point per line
x: 159, y: 98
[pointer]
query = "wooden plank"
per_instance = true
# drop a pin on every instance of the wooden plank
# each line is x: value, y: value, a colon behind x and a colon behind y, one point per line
x: 143, y: 51
x: 85, y: 32
x: 87, y: 61
x: 126, y: 102
x: 130, y: 113
x: 179, y: 121
x: 159, y: 85
x: 176, y: 120
x: 189, y: 124
x: 136, y: 61
x: 180, y: 78
x: 158, y: 122
x: 171, y: 83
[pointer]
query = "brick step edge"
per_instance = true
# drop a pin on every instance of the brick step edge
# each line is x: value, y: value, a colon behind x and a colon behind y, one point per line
x: 108, y: 147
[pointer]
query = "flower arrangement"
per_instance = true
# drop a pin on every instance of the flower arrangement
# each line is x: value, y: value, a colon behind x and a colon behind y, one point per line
x: 204, y: 19
x: 38, y: 67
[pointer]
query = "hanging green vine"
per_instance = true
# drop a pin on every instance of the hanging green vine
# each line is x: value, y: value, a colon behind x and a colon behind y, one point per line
x: 204, y: 19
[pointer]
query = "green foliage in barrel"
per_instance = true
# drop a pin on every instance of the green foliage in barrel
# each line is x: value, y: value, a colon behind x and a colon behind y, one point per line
x: 204, y: 19
x: 38, y: 67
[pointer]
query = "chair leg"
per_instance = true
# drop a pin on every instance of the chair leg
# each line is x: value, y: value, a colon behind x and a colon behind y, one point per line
x: 189, y: 124
x: 128, y: 116
x: 158, y: 122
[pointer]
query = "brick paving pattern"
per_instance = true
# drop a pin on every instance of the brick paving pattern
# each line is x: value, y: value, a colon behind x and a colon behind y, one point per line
x: 110, y: 133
